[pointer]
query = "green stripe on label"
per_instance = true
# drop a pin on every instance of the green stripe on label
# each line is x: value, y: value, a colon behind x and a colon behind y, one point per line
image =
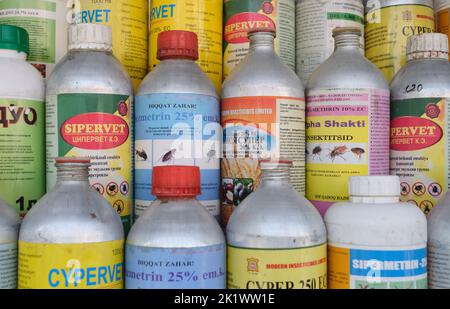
x: 28, y: 4
x: 345, y: 16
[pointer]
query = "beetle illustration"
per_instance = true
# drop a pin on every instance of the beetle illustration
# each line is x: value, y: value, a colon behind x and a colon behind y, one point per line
x: 358, y: 152
x: 142, y: 154
x: 316, y: 152
x: 338, y: 151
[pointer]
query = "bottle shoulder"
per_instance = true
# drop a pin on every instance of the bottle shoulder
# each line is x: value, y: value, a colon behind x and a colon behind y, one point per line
x: 65, y: 215
x: 9, y: 223
x: 89, y: 72
x: 21, y: 80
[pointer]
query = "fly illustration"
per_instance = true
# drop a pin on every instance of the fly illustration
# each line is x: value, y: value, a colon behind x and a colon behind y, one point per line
x: 359, y: 152
x: 338, y: 151
x: 141, y: 154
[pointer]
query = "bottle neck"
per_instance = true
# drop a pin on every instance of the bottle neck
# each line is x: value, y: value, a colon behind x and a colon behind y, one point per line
x: 348, y: 41
x: 12, y: 54
x: 175, y: 199
x: 427, y: 56
x: 262, y: 41
x: 375, y: 199
x: 72, y: 173
x: 277, y: 176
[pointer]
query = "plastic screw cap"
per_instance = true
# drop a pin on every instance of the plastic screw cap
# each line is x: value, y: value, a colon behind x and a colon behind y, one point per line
x: 427, y: 45
x: 14, y: 38
x: 177, y: 44
x: 176, y: 181
x: 90, y: 37
x: 374, y: 186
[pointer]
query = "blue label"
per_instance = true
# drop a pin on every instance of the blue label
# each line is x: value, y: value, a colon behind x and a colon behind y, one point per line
x: 175, y: 268
x: 178, y: 129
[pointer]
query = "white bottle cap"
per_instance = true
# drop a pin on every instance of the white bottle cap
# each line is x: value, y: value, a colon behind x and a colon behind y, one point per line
x: 428, y: 45
x: 90, y: 37
x: 374, y: 186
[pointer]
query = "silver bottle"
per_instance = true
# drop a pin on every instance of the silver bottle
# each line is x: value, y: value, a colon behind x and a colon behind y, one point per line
x: 176, y: 235
x: 347, y: 117
x: 420, y: 95
x: 258, y: 86
x: 73, y: 221
x: 270, y: 227
x: 90, y: 80
x: 177, y: 80
x: 9, y: 232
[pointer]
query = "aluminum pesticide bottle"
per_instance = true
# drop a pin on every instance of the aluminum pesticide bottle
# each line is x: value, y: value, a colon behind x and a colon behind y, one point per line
x: 389, y: 23
x: 204, y: 17
x: 276, y: 238
x: 177, y: 120
x: 315, y: 21
x: 46, y: 22
x: 128, y: 20
x: 439, y: 245
x: 263, y: 116
x: 72, y: 238
x: 176, y: 243
x: 374, y: 240
x: 347, y: 121
x: 442, y: 16
x: 22, y: 123
x: 240, y: 16
x: 89, y: 114
x: 420, y: 98
x: 9, y: 232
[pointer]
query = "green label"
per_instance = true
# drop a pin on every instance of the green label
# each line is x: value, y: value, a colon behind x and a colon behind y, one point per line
x: 22, y: 174
x: 97, y: 126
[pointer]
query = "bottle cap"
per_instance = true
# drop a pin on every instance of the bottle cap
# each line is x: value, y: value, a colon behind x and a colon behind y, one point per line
x: 90, y: 37
x: 177, y: 44
x: 375, y: 186
x: 268, y: 164
x: 427, y: 45
x: 14, y: 38
x: 271, y: 30
x: 72, y: 160
x: 347, y: 30
x: 176, y: 181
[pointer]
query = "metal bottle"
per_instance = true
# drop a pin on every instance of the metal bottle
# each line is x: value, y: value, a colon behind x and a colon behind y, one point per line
x: 439, y: 245
x: 276, y: 226
x: 90, y: 87
x: 183, y: 244
x: 177, y: 120
x: 347, y: 121
x: 420, y: 96
x: 71, y: 236
x: 389, y: 23
x: 315, y: 21
x: 9, y: 232
x: 22, y: 123
x: 262, y: 117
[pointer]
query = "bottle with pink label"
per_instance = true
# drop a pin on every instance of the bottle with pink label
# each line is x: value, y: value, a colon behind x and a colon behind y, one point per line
x: 347, y: 121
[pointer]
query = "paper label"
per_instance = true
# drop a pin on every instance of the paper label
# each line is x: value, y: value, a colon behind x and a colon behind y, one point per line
x: 8, y: 265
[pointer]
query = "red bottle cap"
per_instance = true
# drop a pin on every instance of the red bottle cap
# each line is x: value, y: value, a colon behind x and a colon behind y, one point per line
x: 176, y: 181
x: 69, y: 160
x: 177, y: 44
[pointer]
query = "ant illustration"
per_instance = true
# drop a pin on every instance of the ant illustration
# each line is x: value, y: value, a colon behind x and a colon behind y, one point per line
x: 338, y: 151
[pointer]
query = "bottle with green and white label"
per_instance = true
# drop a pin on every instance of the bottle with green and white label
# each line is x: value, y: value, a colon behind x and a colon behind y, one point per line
x: 9, y: 230
x: 22, y: 91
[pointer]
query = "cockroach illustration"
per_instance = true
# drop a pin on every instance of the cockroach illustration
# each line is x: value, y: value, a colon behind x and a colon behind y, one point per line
x: 358, y: 152
x: 142, y: 154
x: 338, y: 151
x: 168, y: 156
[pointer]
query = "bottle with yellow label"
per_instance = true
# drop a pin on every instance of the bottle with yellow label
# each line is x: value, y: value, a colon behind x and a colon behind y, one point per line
x: 72, y: 238
x: 276, y: 238
x: 442, y: 10
x: 389, y: 23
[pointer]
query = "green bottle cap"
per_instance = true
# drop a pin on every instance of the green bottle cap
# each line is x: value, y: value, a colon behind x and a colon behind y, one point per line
x: 14, y: 38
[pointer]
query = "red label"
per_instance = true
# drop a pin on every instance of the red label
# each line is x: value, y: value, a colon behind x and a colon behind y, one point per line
x: 414, y: 133
x: 95, y: 131
x: 238, y: 25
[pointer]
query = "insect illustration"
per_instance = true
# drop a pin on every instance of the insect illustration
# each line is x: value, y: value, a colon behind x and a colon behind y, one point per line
x: 316, y: 152
x: 211, y: 153
x: 142, y: 154
x: 364, y: 286
x: 168, y: 156
x: 358, y: 152
x: 338, y: 151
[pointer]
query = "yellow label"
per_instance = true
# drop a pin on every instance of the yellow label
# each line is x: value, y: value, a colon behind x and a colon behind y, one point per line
x: 387, y: 30
x: 128, y: 22
x: 71, y: 266
x: 203, y: 17
x: 299, y: 268
x: 443, y: 21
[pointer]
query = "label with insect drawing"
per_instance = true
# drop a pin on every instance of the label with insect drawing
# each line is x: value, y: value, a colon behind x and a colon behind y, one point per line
x: 71, y: 266
x: 259, y: 128
x: 419, y: 146
x: 97, y: 126
x: 175, y: 268
x: 347, y: 134
x: 383, y: 268
x: 177, y: 129
x: 290, y: 268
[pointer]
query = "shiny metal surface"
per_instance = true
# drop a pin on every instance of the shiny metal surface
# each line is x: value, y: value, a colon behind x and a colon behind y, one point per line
x: 72, y: 212
x: 275, y: 216
x: 9, y: 223
x: 176, y: 223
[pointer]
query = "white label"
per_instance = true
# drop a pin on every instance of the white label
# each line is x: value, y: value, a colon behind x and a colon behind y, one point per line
x: 8, y: 266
